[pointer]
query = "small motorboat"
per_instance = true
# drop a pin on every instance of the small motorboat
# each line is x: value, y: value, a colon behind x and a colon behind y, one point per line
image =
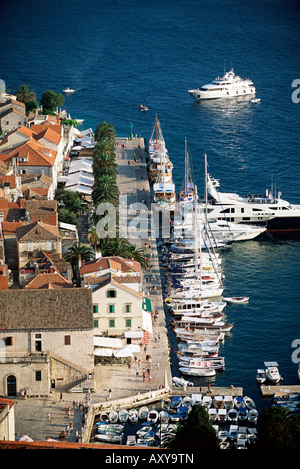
x: 272, y: 372
x: 228, y: 402
x: 243, y: 413
x: 261, y: 376
x: 143, y: 413
x: 68, y: 90
x: 143, y: 107
x: 255, y: 100
x: 123, y: 415
x: 253, y: 416
x: 222, y: 435
x: 175, y: 402
x: 239, y: 402
x: 198, y: 372
x: 232, y: 415
x: 213, y: 414
x: 113, y: 416
x: 144, y: 430
x: 237, y: 299
x: 163, y: 416
x: 104, y: 416
x: 222, y: 416
x: 249, y: 403
x: 133, y: 415
x: 182, y: 412
x: 165, y: 403
x: 207, y: 401
x: 152, y: 416
x: 233, y: 432
x: 180, y: 382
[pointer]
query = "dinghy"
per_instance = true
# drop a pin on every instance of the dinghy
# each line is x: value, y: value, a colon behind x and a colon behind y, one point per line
x: 252, y: 416
x: 152, y: 416
x: 261, y: 376
x: 133, y: 415
x: 113, y: 416
x: 143, y: 413
x: 123, y: 415
x: 237, y: 299
x: 232, y: 415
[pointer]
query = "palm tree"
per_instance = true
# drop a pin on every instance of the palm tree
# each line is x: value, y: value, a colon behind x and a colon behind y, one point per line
x: 24, y: 94
x: 75, y: 255
x: 103, y: 191
x: 138, y: 255
x: 94, y: 239
x: 278, y: 429
x: 105, y: 130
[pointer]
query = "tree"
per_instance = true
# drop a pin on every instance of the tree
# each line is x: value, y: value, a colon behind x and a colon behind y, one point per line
x: 69, y: 200
x: 50, y: 100
x: 75, y: 255
x: 105, y: 130
x: 24, y: 94
x: 31, y: 106
x: 196, y: 432
x: 278, y: 429
x: 66, y: 216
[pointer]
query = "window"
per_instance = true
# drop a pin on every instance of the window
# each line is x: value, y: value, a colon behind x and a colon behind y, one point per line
x: 67, y: 340
x: 38, y: 342
x: 50, y: 245
x: 8, y: 341
x: 128, y: 322
x: 111, y: 294
x: 30, y: 247
x: 38, y: 375
x: 128, y: 308
x: 111, y: 308
x: 95, y: 308
x: 111, y: 323
x: 96, y: 323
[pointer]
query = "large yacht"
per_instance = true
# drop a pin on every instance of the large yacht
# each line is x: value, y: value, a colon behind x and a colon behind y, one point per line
x: 227, y: 86
x: 281, y: 218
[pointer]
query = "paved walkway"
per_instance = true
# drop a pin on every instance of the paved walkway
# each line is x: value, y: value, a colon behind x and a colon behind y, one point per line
x: 31, y: 415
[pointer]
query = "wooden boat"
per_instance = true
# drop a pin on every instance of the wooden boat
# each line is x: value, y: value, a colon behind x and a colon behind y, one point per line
x: 218, y: 402
x: 237, y: 299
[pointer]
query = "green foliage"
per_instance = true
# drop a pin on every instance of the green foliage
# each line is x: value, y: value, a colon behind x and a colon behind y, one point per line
x: 195, y: 433
x: 24, y: 94
x: 69, y: 122
x: 50, y: 100
x: 69, y: 199
x: 31, y: 106
x: 66, y: 216
x: 278, y: 429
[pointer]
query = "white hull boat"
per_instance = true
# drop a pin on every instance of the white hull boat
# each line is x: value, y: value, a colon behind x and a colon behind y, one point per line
x: 205, y: 372
x: 237, y: 299
x: 227, y: 86
x: 272, y: 372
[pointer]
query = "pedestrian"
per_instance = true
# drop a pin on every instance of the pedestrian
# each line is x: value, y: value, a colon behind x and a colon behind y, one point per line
x: 157, y: 366
x: 60, y: 397
x: 150, y: 378
x: 49, y: 417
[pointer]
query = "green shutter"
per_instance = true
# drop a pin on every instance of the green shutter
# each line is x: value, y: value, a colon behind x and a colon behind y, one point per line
x: 95, y: 308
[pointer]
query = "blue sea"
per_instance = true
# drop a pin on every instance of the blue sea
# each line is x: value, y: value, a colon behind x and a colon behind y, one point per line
x: 117, y: 54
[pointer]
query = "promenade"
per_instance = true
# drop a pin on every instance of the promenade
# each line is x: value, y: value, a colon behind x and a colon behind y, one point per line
x: 32, y: 414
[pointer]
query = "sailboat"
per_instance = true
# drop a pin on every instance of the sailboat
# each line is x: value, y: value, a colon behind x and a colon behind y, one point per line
x: 164, y: 193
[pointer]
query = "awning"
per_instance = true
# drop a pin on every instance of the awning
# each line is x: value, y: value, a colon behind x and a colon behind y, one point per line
x: 134, y: 334
x: 146, y: 305
x: 107, y: 342
x: 147, y: 322
x: 103, y: 352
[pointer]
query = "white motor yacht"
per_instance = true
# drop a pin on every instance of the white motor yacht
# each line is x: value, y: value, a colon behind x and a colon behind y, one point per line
x: 276, y: 214
x: 68, y: 90
x: 227, y: 86
x: 272, y: 372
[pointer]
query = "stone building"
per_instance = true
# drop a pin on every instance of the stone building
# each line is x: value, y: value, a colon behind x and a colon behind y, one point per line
x: 46, y: 340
